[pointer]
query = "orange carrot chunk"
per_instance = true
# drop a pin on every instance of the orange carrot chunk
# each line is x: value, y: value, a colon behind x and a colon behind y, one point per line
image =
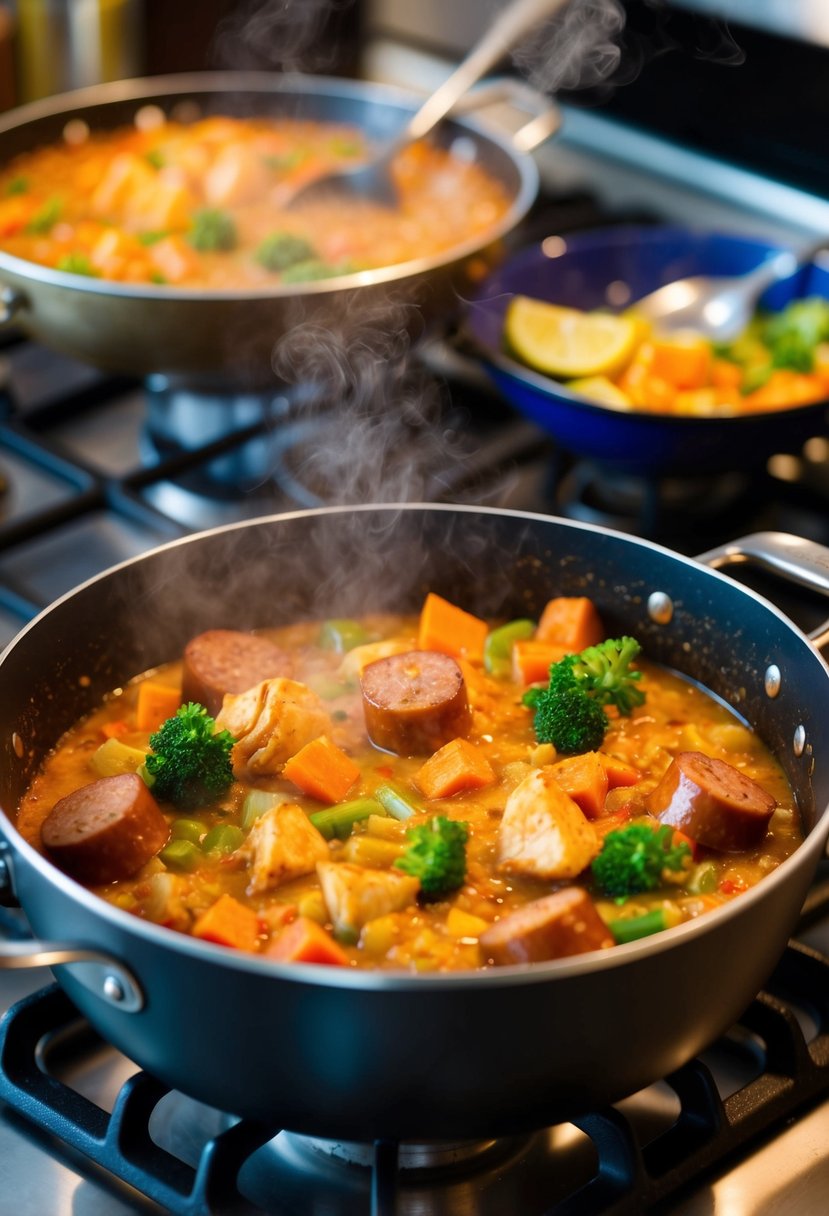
x: 115, y: 730
x: 229, y: 923
x: 572, y: 622
x: 531, y: 660
x: 156, y: 703
x: 584, y: 778
x: 322, y: 770
x: 458, y: 765
x: 449, y: 629
x: 618, y: 772
x: 304, y: 941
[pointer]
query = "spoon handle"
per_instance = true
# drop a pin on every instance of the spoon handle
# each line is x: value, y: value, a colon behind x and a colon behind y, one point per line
x: 506, y: 30
x: 780, y: 266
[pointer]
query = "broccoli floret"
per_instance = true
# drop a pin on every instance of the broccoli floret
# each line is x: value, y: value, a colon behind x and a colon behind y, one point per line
x: 633, y: 859
x: 190, y: 761
x: 436, y: 855
x: 569, y: 712
x: 213, y: 230
x: 280, y: 250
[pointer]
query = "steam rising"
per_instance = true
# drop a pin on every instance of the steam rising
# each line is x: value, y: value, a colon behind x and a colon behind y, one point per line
x: 279, y: 33
x: 576, y: 49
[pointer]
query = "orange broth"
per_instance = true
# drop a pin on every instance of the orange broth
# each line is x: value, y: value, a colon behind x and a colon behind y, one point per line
x: 200, y: 205
x: 440, y: 934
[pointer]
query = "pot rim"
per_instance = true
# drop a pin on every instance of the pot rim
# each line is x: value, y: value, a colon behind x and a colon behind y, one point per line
x: 145, y: 89
x: 383, y: 980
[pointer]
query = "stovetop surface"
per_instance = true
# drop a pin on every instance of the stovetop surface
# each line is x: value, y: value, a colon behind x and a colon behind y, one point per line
x: 98, y: 469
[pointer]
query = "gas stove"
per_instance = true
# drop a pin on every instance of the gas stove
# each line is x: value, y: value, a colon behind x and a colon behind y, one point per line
x: 95, y: 469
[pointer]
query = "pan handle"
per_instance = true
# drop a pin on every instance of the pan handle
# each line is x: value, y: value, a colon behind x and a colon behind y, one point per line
x: 791, y: 557
x: 11, y: 303
x: 99, y: 971
x: 545, y: 121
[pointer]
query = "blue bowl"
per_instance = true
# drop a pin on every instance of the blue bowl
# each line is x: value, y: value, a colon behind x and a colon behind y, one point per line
x: 611, y: 267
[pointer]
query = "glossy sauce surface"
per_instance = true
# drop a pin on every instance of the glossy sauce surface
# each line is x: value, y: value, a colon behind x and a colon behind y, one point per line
x: 677, y: 716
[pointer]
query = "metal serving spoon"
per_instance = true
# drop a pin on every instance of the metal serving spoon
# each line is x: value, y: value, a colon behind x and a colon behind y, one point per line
x: 373, y: 180
x: 720, y: 308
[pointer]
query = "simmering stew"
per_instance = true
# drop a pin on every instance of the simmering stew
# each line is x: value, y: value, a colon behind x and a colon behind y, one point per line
x: 206, y: 204
x: 427, y: 793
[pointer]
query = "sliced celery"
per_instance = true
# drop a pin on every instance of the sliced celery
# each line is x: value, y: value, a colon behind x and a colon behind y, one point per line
x: 337, y: 821
x: 223, y: 838
x: 257, y: 802
x: 398, y: 801
x: 181, y: 855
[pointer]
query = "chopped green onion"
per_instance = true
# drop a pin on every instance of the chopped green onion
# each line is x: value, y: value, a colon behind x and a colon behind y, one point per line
x: 703, y: 878
x: 499, y: 643
x: 187, y: 829
x: 398, y: 802
x: 152, y: 236
x: 224, y: 838
x: 45, y: 218
x: 181, y: 855
x: 337, y: 821
x: 631, y: 928
x: 18, y: 185
x: 155, y: 157
x: 77, y: 263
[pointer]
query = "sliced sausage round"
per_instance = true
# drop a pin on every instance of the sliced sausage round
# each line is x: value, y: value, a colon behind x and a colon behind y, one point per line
x: 556, y: 926
x: 106, y: 830
x: 712, y: 802
x: 414, y: 702
x: 227, y: 660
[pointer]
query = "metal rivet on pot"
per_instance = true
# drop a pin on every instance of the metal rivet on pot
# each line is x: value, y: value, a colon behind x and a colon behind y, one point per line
x: 799, y: 741
x: 772, y: 681
x: 113, y: 989
x: 660, y: 607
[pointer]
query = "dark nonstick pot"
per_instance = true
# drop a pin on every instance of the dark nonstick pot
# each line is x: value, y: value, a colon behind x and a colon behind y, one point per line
x: 230, y: 334
x: 364, y: 1055
x: 587, y: 270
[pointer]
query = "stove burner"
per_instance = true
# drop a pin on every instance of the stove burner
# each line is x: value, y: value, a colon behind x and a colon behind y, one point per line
x: 666, y: 509
x: 618, y: 1161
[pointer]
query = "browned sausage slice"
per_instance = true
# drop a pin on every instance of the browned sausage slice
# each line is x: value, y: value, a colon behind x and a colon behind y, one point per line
x: 106, y: 830
x: 712, y: 802
x: 556, y: 926
x: 414, y: 702
x: 225, y: 660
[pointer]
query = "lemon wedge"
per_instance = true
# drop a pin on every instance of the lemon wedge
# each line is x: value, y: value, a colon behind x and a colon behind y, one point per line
x: 568, y: 343
x: 602, y: 390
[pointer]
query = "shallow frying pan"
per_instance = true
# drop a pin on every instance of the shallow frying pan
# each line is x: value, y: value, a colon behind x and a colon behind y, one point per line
x: 361, y: 1055
x: 199, y: 334
x: 586, y: 271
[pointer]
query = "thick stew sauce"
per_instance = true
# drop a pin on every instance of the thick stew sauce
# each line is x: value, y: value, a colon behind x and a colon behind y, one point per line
x: 424, y: 793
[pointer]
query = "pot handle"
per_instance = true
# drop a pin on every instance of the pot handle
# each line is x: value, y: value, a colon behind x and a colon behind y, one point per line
x: 99, y: 971
x: 799, y: 561
x: 11, y: 303
x: 546, y: 117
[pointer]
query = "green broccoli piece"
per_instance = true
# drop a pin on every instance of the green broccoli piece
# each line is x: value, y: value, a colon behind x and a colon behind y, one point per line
x: 45, y: 218
x: 279, y: 250
x: 189, y: 764
x: 569, y: 712
x: 76, y: 263
x: 213, y: 231
x: 633, y: 859
x: 792, y: 334
x: 17, y: 185
x: 436, y: 855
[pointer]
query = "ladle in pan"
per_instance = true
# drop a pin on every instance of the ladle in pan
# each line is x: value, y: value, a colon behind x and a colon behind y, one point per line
x: 373, y: 179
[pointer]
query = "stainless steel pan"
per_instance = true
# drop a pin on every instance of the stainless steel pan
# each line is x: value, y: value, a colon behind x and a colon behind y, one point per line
x: 365, y: 1055
x: 230, y: 335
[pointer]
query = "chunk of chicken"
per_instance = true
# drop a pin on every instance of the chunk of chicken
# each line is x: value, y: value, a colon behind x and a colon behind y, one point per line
x: 356, y: 894
x: 270, y: 723
x: 237, y: 175
x: 283, y: 844
x: 543, y: 832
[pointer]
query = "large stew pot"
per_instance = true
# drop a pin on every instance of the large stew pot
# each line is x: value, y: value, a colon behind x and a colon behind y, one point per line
x: 201, y: 334
x: 361, y: 1054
